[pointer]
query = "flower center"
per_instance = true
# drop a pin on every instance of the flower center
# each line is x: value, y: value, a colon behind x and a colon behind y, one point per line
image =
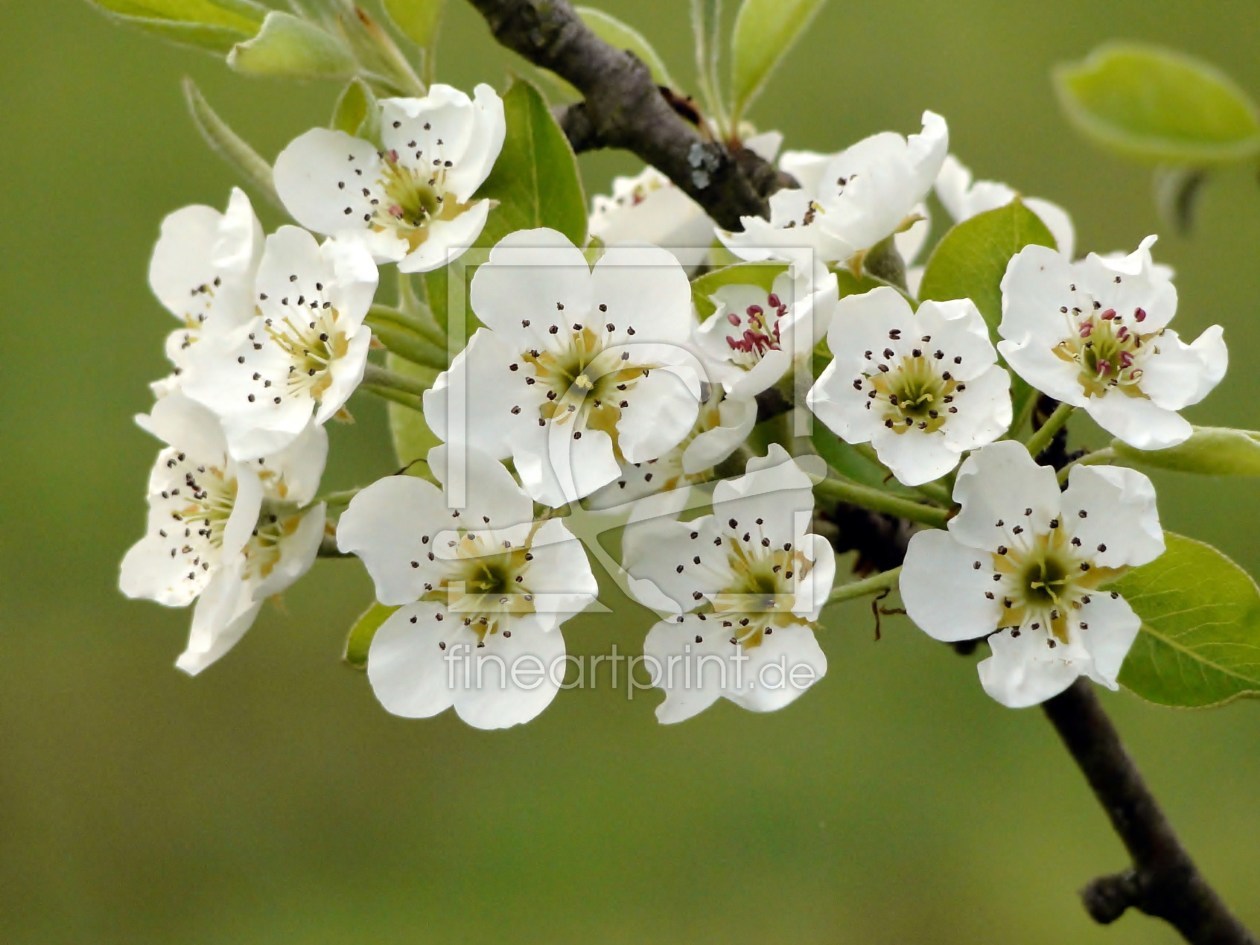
x: 1042, y: 580
x: 756, y: 331
x: 1105, y: 347
x: 912, y: 390
x: 484, y: 582
x: 311, y: 346
x: 276, y: 522
x: 761, y: 592
x: 412, y: 198
x: 585, y: 383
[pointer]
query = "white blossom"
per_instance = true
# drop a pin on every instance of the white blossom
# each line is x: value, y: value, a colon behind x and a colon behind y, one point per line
x: 754, y: 337
x: 578, y: 369
x: 1032, y: 563
x: 202, y: 271
x: 482, y: 589
x: 410, y: 201
x: 650, y: 208
x: 226, y: 534
x: 302, y: 354
x: 1094, y: 334
x: 744, y: 588
x: 846, y: 202
x: 921, y: 387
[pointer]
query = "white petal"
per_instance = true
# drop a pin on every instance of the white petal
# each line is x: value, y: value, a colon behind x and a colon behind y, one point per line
x: 915, y: 456
x: 557, y: 469
x: 788, y: 661
x: 660, y: 555
x: 957, y: 327
x: 984, y: 411
x: 647, y: 295
x: 294, y: 473
x: 309, y: 171
x: 560, y: 576
x: 389, y: 525
x: 1120, y: 525
x: 1057, y: 221
x: 447, y: 239
x: 513, y: 678
x: 223, y: 613
x: 943, y: 591
x: 415, y: 661
x: 1138, y: 421
x: 736, y: 419
x: 1023, y: 670
x: 689, y: 660
x: 480, y: 486
x: 1035, y: 361
x: 1112, y: 626
x: 297, y: 553
x: 813, y: 588
x: 774, y: 490
x: 1001, y: 483
x: 1176, y: 375
x: 480, y: 384
x: 663, y: 411
x: 536, y: 276
x: 1037, y: 283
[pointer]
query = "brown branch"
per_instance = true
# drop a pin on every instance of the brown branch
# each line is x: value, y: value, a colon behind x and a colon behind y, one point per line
x: 1163, y: 881
x: 623, y: 107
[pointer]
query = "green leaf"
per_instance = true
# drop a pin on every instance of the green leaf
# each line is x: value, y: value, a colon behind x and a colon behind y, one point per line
x: 1200, y: 638
x: 1211, y: 451
x: 1155, y: 104
x: 229, y: 145
x: 535, y: 183
x: 411, y: 436
x: 215, y: 39
x: 291, y: 47
x: 418, y: 20
x: 764, y: 32
x: 359, y: 639
x: 971, y: 259
x: 356, y: 112
x: 241, y: 16
x: 623, y: 36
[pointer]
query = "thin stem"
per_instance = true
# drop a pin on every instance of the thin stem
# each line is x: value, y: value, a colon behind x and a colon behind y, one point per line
x: 878, y: 501
x: 377, y: 376
x: 1025, y: 413
x: 1045, y: 433
x: 402, y: 342
x: 884, y: 581
x: 394, y: 396
x: 1163, y: 881
x: 415, y: 316
x: 335, y: 499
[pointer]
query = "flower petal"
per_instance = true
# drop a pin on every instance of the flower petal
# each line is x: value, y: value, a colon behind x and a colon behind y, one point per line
x: 944, y: 593
x: 1112, y: 511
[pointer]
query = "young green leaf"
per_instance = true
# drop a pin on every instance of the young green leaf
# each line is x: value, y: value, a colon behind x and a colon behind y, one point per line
x: 623, y: 36
x: 359, y: 639
x: 418, y: 20
x: 294, y: 48
x: 535, y: 183
x: 1211, y: 451
x: 229, y: 145
x: 764, y: 32
x: 357, y: 112
x: 1158, y: 105
x: 241, y: 16
x: 1200, y: 639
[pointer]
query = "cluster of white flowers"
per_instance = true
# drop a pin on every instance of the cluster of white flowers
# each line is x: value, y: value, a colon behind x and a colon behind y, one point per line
x: 594, y: 383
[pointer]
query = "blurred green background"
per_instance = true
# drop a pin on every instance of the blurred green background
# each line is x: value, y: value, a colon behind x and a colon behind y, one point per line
x: 272, y: 801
